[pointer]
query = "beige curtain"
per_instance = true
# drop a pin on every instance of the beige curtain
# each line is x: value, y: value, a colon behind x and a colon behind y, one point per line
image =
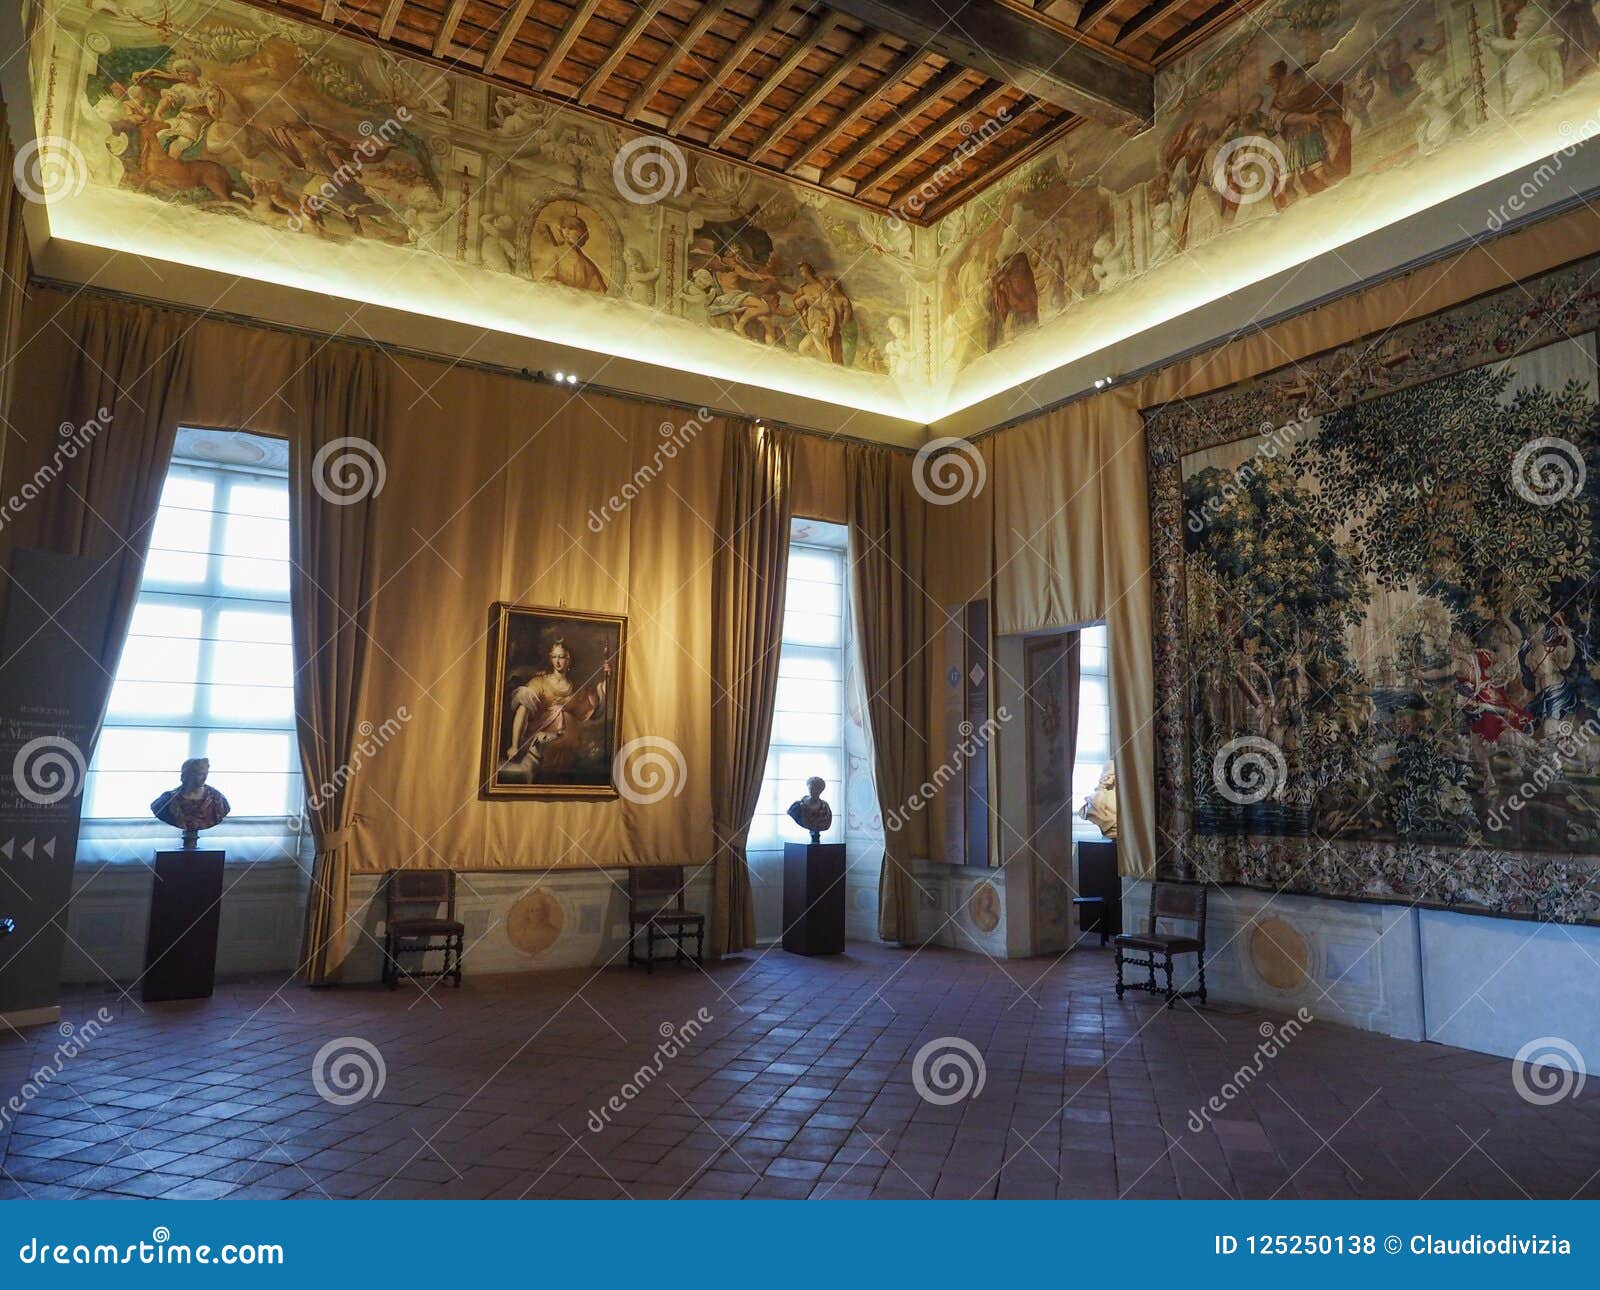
x: 887, y: 559
x: 1072, y: 545
x: 748, y: 577
x: 118, y: 398
x: 340, y: 451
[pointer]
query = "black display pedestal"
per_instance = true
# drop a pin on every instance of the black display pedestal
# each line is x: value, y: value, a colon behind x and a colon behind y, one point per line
x: 180, y: 951
x: 1098, y: 879
x: 813, y: 898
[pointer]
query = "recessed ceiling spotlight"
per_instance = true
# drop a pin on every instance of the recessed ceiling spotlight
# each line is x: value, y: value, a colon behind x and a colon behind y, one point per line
x: 561, y: 376
x: 572, y: 378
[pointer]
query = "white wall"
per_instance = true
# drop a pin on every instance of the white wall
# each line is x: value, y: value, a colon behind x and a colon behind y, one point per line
x: 1496, y: 984
x: 1492, y: 985
x: 263, y: 912
x: 593, y: 915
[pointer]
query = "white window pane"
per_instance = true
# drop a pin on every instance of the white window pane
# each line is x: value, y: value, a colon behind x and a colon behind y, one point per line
x: 804, y: 628
x: 241, y: 752
x: 1092, y: 693
x: 814, y: 566
x: 159, y: 658
x: 127, y: 795
x: 252, y: 703
x: 809, y: 696
x: 152, y: 618
x: 1092, y: 649
x: 258, y: 794
x: 256, y: 536
x: 268, y: 500
x: 187, y: 491
x: 254, y: 625
x: 181, y: 530
x: 250, y: 573
x: 244, y: 663
x: 767, y: 803
x: 805, y: 728
x: 124, y: 748
x: 151, y: 699
x: 812, y: 666
x: 256, y: 771
x: 169, y: 567
x: 796, y: 765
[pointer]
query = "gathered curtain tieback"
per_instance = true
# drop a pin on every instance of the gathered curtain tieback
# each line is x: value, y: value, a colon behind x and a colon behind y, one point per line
x: 333, y: 839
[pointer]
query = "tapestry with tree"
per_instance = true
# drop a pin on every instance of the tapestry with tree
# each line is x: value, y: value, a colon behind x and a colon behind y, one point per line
x: 1377, y: 640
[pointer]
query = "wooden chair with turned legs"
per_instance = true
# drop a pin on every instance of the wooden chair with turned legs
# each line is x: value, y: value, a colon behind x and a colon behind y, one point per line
x: 656, y: 904
x: 419, y: 918
x: 1170, y: 902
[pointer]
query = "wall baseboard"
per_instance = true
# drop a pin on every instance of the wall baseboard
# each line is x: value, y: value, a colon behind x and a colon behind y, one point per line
x: 25, y: 1017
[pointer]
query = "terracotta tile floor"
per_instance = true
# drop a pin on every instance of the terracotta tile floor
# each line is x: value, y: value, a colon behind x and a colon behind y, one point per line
x: 800, y: 1085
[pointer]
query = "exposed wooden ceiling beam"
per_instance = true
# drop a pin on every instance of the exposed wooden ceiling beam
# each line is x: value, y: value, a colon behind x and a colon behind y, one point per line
x: 1094, y: 13
x: 897, y: 120
x: 1194, y: 32
x: 932, y: 136
x: 682, y: 48
x: 391, y: 15
x: 447, y: 31
x: 988, y: 37
x: 643, y: 15
x: 996, y: 168
x: 550, y: 64
x: 1152, y: 16
x: 813, y: 97
x: 898, y: 201
x: 853, y: 111
x: 803, y: 47
x: 760, y: 28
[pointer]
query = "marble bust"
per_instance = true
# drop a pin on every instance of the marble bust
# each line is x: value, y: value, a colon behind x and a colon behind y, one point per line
x: 811, y: 812
x: 193, y: 805
x: 1100, y: 807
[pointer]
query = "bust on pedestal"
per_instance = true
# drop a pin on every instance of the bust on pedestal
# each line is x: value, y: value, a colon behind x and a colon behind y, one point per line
x: 180, y: 953
x: 194, y: 804
x: 813, y: 880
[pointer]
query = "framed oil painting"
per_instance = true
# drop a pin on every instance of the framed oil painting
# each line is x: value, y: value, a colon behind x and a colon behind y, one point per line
x: 553, y: 702
x: 1377, y: 615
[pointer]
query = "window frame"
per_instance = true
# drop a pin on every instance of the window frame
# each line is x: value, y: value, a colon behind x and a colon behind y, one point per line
x: 774, y: 793
x: 213, y: 596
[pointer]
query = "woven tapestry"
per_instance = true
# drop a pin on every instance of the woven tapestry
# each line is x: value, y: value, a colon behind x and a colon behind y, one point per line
x: 1377, y: 644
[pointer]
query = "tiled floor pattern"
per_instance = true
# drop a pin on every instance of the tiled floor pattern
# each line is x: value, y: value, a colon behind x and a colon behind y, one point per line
x: 800, y: 1085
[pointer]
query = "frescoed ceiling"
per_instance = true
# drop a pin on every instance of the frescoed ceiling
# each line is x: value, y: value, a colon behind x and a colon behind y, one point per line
x: 836, y: 200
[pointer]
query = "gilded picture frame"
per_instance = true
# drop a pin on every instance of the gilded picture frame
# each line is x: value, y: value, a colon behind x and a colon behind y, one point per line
x: 552, y: 702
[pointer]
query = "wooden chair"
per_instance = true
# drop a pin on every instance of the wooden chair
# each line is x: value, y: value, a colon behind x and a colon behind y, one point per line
x: 412, y: 925
x: 1169, y: 902
x: 655, y: 902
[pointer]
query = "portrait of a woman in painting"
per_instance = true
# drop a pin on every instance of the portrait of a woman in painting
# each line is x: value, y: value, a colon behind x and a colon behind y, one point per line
x: 553, y: 702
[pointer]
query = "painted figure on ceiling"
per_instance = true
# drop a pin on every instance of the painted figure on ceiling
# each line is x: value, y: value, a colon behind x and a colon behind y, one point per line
x: 1579, y: 29
x: 572, y: 268
x: 1315, y: 135
x: 1013, y: 294
x: 188, y: 105
x: 825, y: 312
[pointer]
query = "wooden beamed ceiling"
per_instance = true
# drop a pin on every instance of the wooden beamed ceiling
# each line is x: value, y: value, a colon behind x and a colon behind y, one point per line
x: 867, y: 99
